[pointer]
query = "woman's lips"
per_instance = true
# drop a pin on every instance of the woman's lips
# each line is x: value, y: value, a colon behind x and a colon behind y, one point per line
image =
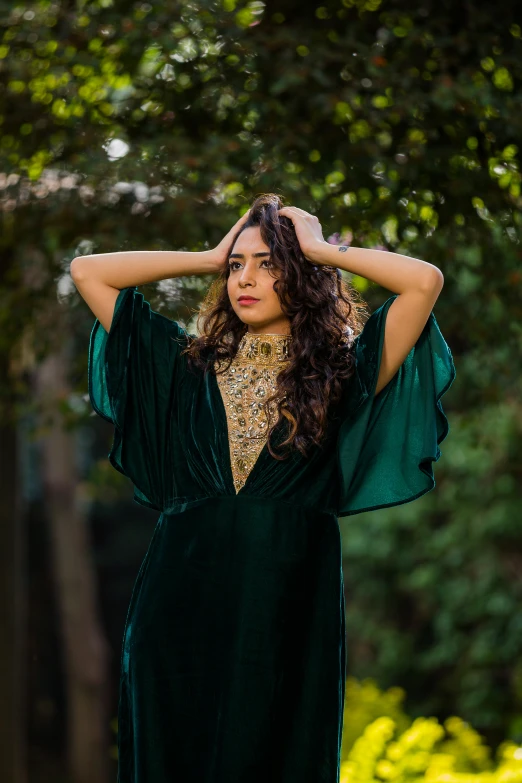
x: 247, y: 301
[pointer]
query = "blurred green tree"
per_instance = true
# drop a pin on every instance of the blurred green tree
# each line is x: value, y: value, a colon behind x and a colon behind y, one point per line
x: 152, y: 125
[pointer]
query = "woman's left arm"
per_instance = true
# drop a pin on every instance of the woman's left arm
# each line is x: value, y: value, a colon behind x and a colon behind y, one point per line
x: 417, y: 282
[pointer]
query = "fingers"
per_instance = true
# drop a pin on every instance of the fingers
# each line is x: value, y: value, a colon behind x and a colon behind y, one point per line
x: 297, y: 210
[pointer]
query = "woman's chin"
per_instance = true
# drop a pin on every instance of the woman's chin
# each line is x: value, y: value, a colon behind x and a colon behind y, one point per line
x: 248, y: 318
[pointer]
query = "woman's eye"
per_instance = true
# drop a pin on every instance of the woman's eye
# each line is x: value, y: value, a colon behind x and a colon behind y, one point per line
x: 232, y: 264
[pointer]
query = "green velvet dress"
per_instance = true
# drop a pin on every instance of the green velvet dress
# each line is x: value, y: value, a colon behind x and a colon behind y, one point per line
x: 233, y: 657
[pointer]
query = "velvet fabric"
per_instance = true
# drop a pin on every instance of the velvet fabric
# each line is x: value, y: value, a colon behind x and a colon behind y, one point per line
x: 233, y: 657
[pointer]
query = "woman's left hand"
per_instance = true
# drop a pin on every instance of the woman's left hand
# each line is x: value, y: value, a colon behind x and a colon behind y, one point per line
x: 308, y: 231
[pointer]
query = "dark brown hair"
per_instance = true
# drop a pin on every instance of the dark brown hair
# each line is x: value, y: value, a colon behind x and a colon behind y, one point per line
x: 324, y: 313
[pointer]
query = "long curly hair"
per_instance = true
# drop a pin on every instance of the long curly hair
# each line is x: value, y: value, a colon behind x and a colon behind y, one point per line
x: 324, y: 313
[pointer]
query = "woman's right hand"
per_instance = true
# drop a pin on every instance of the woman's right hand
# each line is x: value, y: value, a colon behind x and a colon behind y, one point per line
x: 219, y: 253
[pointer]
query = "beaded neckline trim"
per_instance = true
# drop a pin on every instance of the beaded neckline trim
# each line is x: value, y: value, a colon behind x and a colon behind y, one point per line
x: 264, y: 348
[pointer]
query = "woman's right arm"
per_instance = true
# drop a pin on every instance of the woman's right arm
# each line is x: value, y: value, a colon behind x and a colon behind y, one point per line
x: 100, y: 277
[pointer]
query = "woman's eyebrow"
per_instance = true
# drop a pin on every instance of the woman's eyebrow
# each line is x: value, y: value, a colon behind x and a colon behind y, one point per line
x: 254, y: 255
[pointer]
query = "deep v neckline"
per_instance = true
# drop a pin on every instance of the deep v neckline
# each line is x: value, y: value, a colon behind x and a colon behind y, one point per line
x: 224, y: 419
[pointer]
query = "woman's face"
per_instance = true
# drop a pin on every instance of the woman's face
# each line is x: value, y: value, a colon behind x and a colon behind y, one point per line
x: 250, y: 269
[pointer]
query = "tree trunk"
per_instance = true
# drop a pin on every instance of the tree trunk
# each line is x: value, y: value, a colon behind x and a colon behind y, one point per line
x: 85, y: 647
x: 13, y: 613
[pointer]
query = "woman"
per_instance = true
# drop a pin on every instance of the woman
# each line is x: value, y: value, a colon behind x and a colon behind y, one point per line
x: 250, y: 440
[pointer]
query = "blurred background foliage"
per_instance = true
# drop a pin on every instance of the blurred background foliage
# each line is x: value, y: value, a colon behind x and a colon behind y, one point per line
x: 138, y: 125
x: 381, y: 743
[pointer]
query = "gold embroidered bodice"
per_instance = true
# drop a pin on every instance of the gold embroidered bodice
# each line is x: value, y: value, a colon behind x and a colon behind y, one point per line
x: 248, y: 382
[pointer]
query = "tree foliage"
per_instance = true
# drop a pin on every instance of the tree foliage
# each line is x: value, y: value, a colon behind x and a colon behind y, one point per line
x: 392, y: 747
x: 399, y: 125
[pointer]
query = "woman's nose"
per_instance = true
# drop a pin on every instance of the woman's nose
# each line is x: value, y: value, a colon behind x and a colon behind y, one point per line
x: 246, y: 277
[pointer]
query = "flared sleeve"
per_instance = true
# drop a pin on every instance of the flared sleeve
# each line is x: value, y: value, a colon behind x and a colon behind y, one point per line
x: 387, y: 443
x: 133, y: 371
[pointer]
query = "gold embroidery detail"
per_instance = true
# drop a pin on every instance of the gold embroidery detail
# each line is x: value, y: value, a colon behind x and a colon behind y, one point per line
x: 250, y: 379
